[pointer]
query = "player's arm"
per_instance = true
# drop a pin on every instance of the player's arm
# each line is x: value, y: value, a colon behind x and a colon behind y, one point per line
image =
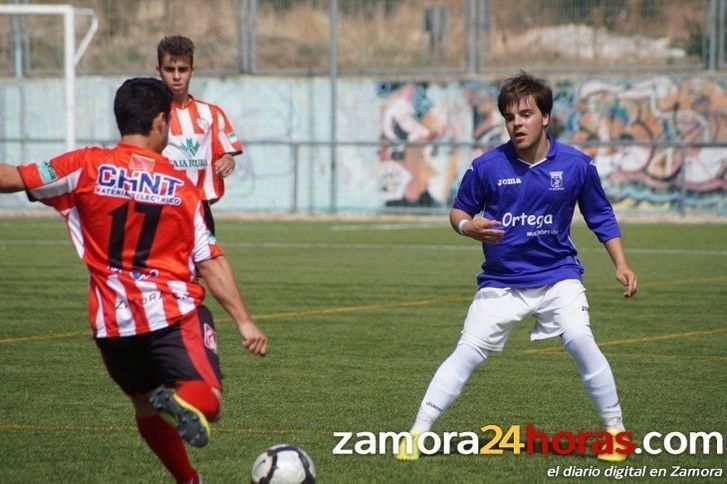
x: 10, y: 179
x: 220, y: 280
x: 478, y: 228
x: 227, y: 146
x: 624, y: 274
x: 469, y: 202
x: 599, y: 216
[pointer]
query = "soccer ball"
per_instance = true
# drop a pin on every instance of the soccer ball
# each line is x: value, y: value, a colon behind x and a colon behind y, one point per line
x: 283, y: 464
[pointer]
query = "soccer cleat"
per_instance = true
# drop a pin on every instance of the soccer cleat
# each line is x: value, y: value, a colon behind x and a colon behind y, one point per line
x: 402, y: 454
x: 191, y: 424
x: 614, y: 456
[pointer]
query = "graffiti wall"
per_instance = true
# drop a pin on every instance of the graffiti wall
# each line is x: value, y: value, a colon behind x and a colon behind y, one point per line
x: 405, y: 145
x: 643, y: 116
x: 417, y: 168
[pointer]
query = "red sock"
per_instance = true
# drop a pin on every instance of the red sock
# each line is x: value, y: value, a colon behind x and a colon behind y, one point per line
x: 199, y: 394
x: 166, y: 443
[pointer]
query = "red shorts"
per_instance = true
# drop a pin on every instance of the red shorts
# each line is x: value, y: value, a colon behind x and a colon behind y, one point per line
x: 184, y: 351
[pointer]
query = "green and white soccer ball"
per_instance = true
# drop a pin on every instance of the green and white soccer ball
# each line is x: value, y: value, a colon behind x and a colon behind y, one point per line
x: 283, y: 464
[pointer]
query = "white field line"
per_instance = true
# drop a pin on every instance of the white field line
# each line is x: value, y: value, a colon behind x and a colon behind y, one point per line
x: 400, y: 226
x: 364, y: 246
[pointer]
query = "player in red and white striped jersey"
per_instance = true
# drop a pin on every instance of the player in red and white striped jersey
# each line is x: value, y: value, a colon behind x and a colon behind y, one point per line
x: 202, y: 141
x: 138, y: 225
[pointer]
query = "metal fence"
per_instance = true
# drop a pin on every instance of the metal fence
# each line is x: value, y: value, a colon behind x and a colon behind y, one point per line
x: 275, y: 176
x: 381, y: 36
x: 677, y: 167
x: 302, y: 173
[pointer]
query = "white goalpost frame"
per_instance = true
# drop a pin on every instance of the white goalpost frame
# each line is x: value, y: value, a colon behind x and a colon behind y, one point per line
x: 71, y: 56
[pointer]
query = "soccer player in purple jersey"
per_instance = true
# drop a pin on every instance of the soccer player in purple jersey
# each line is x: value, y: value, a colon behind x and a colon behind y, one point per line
x: 518, y: 200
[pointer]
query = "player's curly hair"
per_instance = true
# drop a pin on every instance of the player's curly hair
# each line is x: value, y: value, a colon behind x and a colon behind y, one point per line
x: 520, y: 87
x: 176, y: 46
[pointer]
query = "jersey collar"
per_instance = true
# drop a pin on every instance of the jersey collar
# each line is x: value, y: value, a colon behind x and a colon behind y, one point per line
x: 139, y: 150
x: 190, y: 100
x: 552, y: 151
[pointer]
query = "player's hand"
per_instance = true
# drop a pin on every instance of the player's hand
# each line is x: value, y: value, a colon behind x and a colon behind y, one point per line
x: 628, y: 278
x: 484, y: 230
x: 225, y: 165
x: 253, y: 338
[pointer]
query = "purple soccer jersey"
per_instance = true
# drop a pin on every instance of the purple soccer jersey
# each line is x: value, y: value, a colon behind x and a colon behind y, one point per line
x: 535, y: 204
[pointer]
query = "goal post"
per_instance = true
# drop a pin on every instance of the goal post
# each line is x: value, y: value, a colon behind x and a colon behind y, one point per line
x: 71, y: 54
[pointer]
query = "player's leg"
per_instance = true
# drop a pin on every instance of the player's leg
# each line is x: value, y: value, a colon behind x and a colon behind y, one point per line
x: 564, y: 312
x: 205, y: 390
x: 492, y: 315
x: 129, y: 366
x: 598, y: 381
x: 443, y: 390
x: 190, y: 368
x: 447, y: 383
x: 164, y: 441
x: 595, y: 374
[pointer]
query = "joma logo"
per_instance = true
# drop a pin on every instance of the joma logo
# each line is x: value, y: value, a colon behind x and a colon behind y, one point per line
x: 508, y: 181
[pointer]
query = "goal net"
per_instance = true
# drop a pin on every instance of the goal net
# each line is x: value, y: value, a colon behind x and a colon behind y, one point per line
x: 39, y: 50
x: 35, y: 46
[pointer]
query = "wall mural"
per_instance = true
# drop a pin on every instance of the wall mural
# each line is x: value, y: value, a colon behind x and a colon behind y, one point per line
x: 442, y: 119
x: 662, y: 109
x: 414, y: 175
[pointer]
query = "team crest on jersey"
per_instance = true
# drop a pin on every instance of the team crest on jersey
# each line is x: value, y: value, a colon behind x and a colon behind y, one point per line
x: 556, y: 180
x: 210, y: 338
x: 203, y: 123
x: 142, y: 186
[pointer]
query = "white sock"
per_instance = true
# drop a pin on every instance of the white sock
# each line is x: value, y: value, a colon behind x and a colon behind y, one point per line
x: 596, y: 374
x: 447, y: 384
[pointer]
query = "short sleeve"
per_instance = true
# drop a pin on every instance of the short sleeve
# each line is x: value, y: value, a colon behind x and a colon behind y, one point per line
x: 596, y: 208
x: 471, y: 194
x: 225, y: 139
x: 54, y: 182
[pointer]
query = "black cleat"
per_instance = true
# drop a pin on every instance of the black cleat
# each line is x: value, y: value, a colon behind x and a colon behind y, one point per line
x: 191, y: 424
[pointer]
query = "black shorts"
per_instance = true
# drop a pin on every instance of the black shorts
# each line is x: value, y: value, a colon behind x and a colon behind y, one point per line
x: 209, y: 220
x: 184, y: 351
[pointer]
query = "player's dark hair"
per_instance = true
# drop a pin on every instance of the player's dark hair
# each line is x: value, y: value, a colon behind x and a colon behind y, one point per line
x: 176, y: 46
x: 138, y: 101
x: 522, y: 86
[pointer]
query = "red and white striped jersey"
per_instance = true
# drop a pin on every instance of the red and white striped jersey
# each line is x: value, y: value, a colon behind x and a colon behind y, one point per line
x: 199, y: 134
x: 138, y: 226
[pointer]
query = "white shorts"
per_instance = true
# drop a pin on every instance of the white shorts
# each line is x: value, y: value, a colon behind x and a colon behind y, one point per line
x: 495, y: 311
